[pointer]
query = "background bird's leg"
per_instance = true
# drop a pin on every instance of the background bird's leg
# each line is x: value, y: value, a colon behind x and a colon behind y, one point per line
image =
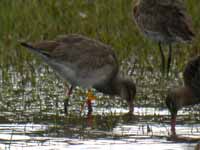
x: 169, y: 58
x: 173, y: 126
x: 131, y: 107
x: 162, y: 58
x: 66, y: 101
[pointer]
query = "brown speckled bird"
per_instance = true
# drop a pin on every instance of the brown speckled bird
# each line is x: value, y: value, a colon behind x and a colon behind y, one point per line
x: 85, y: 62
x: 164, y: 21
x: 187, y: 95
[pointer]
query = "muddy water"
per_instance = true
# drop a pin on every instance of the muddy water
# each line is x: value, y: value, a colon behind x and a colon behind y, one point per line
x: 133, y: 134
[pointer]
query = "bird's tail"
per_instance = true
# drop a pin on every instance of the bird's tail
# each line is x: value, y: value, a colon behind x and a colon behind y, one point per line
x: 29, y: 46
x: 35, y: 49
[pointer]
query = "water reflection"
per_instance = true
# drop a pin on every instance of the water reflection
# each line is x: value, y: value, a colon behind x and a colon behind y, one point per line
x: 34, y: 136
x: 36, y: 97
x: 109, y: 131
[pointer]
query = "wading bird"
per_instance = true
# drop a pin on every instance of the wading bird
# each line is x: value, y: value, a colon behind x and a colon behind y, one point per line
x: 85, y: 62
x: 163, y: 21
x: 187, y: 95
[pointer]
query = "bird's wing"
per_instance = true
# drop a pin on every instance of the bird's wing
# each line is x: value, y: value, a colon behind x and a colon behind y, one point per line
x: 89, y: 58
x: 70, y: 48
x: 82, y: 54
x: 191, y: 75
x: 168, y: 17
x: 175, y: 19
x: 82, y: 50
x: 43, y: 48
x: 87, y: 55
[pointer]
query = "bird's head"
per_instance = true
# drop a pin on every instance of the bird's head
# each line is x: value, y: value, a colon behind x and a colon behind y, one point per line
x: 177, y: 98
x: 128, y: 92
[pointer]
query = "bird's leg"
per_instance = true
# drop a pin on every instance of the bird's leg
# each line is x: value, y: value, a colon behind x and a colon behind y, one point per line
x: 131, y: 107
x: 162, y: 58
x: 89, y: 105
x: 90, y: 98
x: 173, y: 126
x: 169, y: 58
x: 66, y: 101
x: 89, y: 119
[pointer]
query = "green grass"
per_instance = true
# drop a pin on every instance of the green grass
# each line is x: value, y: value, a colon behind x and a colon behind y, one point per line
x: 107, y: 20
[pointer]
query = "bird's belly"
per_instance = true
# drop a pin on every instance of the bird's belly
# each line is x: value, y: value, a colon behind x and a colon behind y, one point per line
x: 64, y: 72
x: 93, y: 77
x: 159, y: 37
x: 81, y: 77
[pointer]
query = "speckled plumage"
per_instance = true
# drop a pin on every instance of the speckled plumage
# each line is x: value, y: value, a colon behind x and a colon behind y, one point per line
x: 164, y: 21
x: 85, y: 62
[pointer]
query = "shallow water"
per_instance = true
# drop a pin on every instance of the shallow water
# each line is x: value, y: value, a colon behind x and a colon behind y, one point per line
x: 32, y: 117
x: 134, y: 134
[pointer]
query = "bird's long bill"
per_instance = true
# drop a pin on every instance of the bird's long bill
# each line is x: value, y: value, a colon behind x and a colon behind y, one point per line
x: 173, y: 125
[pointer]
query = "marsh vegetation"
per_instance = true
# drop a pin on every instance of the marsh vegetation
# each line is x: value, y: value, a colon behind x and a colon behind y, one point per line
x: 30, y: 91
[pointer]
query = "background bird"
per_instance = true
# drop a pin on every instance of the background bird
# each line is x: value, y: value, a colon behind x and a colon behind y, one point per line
x: 187, y: 95
x: 164, y: 21
x: 85, y: 62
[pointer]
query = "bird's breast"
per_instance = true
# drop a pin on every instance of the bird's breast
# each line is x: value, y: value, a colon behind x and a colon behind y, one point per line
x: 161, y: 37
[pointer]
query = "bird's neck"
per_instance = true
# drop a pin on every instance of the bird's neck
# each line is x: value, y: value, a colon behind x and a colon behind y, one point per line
x: 112, y: 87
x: 186, y: 97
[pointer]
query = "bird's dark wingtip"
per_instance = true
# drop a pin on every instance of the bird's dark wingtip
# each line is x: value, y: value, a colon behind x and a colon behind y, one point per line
x: 23, y: 43
x: 27, y: 45
x: 30, y: 47
x: 35, y: 49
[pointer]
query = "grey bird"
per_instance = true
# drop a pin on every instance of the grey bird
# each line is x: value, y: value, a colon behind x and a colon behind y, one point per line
x: 165, y: 22
x: 188, y: 95
x: 85, y: 62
